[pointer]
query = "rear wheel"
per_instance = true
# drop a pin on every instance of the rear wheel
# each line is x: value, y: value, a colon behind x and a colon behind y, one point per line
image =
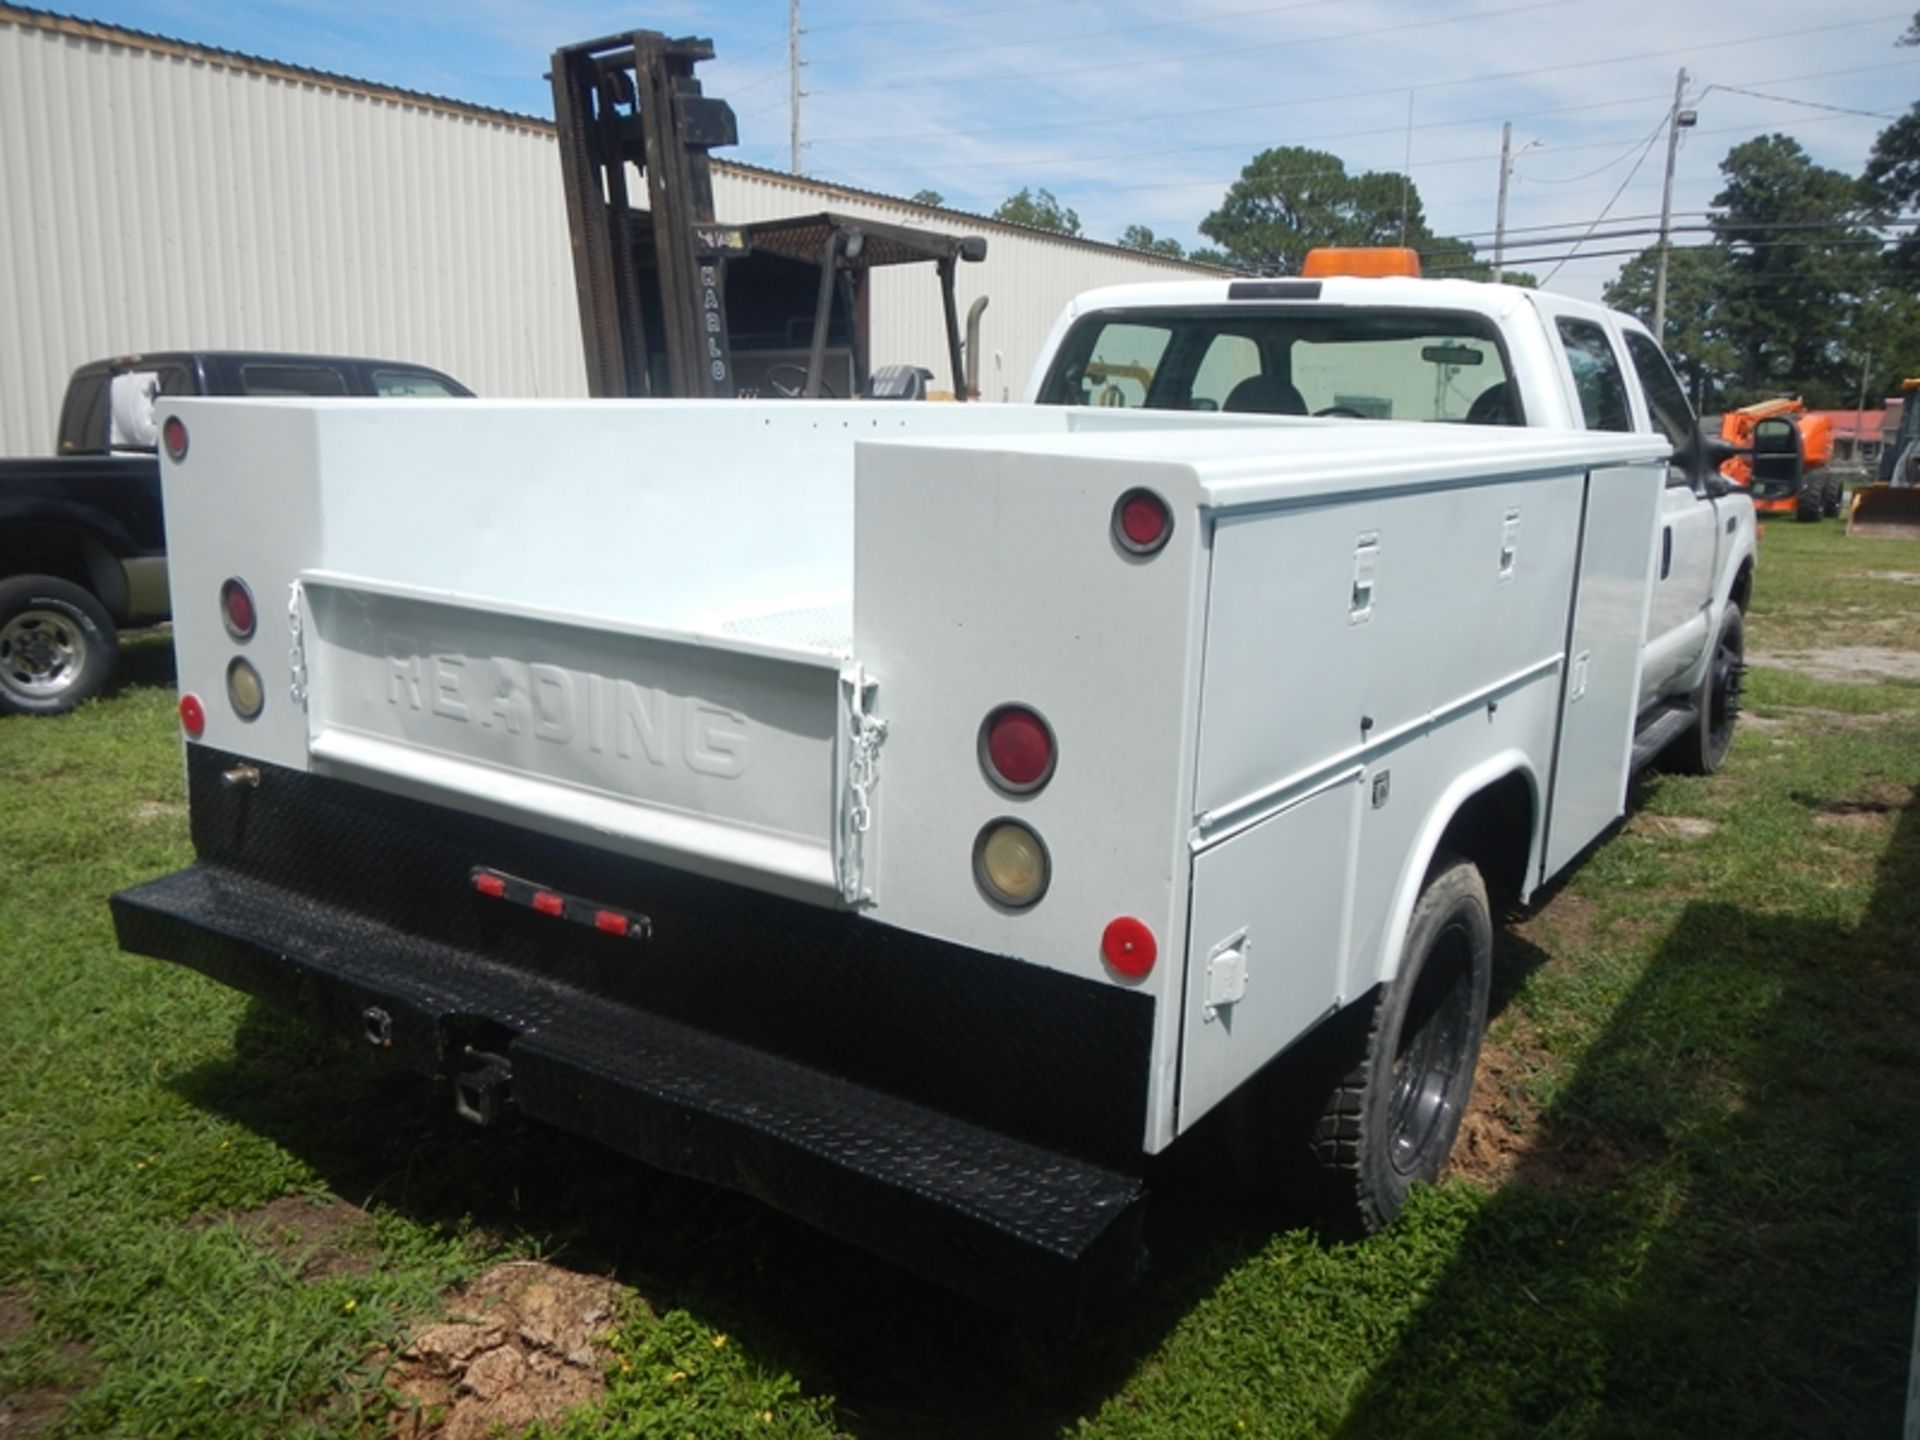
x: 1703, y: 749
x: 57, y: 646
x: 1808, y: 504
x: 1391, y: 1119
x: 1830, y: 504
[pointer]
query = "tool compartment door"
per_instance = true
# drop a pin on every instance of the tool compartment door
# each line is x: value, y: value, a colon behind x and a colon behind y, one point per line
x: 717, y: 758
x: 1267, y: 943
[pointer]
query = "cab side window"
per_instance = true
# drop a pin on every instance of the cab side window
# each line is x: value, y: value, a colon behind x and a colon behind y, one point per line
x: 1665, y: 398
x: 1597, y: 377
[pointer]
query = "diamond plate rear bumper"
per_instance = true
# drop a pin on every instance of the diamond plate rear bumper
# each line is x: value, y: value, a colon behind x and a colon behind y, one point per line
x: 1009, y: 1222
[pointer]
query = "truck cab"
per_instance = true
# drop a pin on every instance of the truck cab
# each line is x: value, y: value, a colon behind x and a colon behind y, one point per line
x: 82, y: 538
x: 1344, y: 348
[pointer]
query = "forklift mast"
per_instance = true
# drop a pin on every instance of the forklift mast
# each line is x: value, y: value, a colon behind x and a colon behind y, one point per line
x: 653, y: 283
x: 633, y: 99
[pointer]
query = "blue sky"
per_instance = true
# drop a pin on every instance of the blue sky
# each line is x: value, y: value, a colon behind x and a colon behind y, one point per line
x: 1138, y: 113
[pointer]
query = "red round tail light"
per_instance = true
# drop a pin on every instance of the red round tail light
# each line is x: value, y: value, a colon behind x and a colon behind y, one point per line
x: 236, y: 609
x: 1129, y: 947
x: 1016, y: 750
x: 193, y: 716
x: 1142, y: 523
x: 173, y: 435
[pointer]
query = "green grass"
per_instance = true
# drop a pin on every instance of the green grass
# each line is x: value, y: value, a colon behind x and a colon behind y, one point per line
x: 1709, y: 1229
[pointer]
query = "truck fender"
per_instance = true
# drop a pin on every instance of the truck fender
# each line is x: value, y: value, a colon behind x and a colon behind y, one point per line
x: 1427, y: 842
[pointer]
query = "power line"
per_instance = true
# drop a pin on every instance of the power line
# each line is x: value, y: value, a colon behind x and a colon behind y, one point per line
x: 1789, y: 100
x: 1860, y: 244
x: 1476, y: 79
x: 1225, y: 183
x: 1031, y: 162
x: 1645, y: 151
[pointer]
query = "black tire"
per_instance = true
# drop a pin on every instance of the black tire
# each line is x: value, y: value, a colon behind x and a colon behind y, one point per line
x: 1391, y: 1120
x: 58, y: 646
x: 1703, y: 749
x: 1830, y: 502
x: 1807, y: 504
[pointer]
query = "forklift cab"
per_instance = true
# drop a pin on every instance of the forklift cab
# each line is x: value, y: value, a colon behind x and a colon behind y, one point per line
x: 675, y: 303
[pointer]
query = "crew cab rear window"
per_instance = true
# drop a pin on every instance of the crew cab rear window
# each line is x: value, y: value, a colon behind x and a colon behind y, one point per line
x: 1596, y: 375
x: 1385, y: 365
x: 291, y: 380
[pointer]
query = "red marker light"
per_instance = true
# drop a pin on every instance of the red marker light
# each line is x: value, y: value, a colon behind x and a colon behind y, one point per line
x: 610, y: 921
x: 548, y: 903
x: 173, y: 434
x: 1129, y: 946
x: 491, y: 886
x: 1141, y: 522
x: 236, y: 609
x: 1016, y: 750
x: 193, y: 716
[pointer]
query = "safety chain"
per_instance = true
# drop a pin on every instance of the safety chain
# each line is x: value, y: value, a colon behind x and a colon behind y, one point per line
x: 297, y: 651
x: 865, y: 733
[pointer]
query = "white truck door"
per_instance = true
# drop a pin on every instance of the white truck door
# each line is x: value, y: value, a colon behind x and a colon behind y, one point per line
x: 1610, y: 399
x: 1689, y: 538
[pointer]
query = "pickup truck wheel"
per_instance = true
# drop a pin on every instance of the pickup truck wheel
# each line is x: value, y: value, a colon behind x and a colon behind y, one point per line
x: 1703, y: 749
x: 57, y: 646
x: 1391, y: 1120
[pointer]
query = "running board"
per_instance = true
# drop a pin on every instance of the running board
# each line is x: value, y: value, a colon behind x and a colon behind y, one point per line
x: 1660, y: 729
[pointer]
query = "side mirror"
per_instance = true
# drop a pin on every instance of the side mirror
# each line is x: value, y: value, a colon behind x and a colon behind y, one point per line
x: 1700, y: 457
x: 1778, y: 455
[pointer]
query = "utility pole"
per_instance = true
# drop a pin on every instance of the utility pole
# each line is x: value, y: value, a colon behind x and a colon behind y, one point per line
x: 793, y: 85
x: 1500, y: 209
x: 1677, y: 120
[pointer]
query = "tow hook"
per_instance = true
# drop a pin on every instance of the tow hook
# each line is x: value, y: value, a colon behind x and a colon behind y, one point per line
x: 483, y: 1091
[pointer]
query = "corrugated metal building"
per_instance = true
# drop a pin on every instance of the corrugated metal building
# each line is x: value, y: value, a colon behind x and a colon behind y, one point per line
x: 156, y: 194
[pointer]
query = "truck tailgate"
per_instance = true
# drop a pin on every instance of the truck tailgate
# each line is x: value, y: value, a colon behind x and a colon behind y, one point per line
x: 717, y: 753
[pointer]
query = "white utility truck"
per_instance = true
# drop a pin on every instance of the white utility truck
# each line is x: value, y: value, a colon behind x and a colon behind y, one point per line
x: 921, y: 816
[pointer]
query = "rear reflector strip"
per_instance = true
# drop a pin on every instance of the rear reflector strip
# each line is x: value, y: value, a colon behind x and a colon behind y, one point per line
x: 493, y: 885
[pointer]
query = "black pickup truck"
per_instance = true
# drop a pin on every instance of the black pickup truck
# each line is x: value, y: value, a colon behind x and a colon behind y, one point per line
x: 82, y: 539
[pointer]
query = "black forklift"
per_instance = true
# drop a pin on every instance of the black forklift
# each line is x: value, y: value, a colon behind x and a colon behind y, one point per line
x: 675, y: 303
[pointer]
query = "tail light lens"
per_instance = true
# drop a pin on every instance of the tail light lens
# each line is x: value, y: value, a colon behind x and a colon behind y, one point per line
x: 1011, y: 864
x: 1142, y: 523
x: 193, y: 716
x: 173, y: 435
x: 245, y: 690
x: 236, y: 609
x: 1016, y: 750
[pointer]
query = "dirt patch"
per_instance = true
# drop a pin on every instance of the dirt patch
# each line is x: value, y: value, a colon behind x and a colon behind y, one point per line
x: 26, y: 1413
x: 1898, y: 577
x: 1872, y: 809
x: 16, y: 1317
x: 148, y: 811
x: 1505, y: 1138
x: 1681, y: 827
x: 1848, y: 665
x: 319, y: 1241
x: 1566, y: 921
x: 1502, y: 1124
x: 522, y: 1343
